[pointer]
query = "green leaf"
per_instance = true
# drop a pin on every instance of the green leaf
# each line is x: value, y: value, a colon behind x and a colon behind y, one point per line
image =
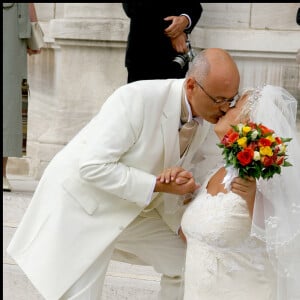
x: 287, y: 164
x: 286, y: 140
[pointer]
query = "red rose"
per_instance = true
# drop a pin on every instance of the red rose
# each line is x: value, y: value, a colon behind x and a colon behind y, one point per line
x: 264, y: 142
x: 245, y: 156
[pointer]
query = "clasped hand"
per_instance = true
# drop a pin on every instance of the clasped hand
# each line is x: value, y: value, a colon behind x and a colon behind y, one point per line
x: 176, y: 180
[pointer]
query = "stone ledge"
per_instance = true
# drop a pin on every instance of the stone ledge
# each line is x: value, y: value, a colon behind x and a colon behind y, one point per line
x: 269, y: 42
x: 89, y: 29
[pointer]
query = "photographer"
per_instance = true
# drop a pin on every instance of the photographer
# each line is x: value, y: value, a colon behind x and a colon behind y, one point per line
x: 157, y: 46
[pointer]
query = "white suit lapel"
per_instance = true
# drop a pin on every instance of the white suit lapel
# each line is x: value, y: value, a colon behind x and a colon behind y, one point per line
x: 171, y: 141
x: 170, y: 125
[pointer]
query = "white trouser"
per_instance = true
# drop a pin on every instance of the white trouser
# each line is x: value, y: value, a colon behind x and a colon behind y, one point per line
x: 151, y: 240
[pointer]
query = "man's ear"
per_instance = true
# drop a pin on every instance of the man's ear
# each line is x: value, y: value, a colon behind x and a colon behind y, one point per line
x: 190, y: 86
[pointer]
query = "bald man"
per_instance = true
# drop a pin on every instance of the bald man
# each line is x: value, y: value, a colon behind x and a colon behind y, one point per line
x: 99, y: 198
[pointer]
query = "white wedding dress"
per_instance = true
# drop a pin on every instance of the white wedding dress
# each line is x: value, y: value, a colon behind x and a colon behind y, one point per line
x: 223, y: 262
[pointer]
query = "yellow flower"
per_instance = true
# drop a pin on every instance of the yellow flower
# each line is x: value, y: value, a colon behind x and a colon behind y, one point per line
x: 266, y: 151
x: 271, y: 138
x: 246, y: 129
x: 242, y: 142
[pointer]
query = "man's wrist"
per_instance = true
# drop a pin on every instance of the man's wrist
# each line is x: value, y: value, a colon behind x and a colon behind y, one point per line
x: 189, y: 21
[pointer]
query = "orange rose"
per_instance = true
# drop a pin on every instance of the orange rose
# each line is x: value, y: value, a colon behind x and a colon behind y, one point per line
x: 229, y: 138
x: 265, y: 130
x: 278, y: 140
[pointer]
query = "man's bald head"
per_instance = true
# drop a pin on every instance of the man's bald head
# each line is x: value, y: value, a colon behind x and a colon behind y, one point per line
x: 216, y: 65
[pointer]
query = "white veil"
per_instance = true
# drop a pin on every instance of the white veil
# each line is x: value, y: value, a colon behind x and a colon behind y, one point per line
x: 276, y: 216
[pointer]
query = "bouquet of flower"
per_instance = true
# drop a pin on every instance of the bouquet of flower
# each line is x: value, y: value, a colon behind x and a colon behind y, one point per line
x: 254, y: 150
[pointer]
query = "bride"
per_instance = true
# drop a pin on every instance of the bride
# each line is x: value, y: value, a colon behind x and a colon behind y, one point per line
x: 240, y: 248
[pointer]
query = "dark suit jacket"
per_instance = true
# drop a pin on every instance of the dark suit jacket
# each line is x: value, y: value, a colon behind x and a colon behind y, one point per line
x: 147, y: 46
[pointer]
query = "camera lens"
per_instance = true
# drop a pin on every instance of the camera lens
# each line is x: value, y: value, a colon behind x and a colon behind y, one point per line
x: 181, y: 59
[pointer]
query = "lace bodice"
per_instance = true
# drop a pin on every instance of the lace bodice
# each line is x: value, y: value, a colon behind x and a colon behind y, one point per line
x: 223, y: 260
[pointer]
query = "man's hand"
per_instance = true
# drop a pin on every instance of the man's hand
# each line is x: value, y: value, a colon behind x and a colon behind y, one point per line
x: 30, y: 51
x: 177, y: 181
x: 179, y: 189
x: 179, y: 43
x: 179, y: 23
x: 33, y: 18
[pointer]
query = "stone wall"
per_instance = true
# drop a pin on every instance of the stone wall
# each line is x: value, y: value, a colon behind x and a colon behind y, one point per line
x: 263, y: 37
x: 82, y: 62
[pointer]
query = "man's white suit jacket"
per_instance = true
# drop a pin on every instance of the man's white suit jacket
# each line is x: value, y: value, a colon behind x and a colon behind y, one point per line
x: 100, y: 182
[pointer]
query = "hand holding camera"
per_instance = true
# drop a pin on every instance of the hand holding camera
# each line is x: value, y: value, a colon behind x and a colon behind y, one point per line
x: 176, y: 25
x: 183, y: 59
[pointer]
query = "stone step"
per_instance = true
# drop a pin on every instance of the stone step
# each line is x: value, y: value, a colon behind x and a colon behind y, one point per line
x: 122, y: 281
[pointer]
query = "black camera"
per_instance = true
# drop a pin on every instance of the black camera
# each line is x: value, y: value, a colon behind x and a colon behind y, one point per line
x: 183, y: 59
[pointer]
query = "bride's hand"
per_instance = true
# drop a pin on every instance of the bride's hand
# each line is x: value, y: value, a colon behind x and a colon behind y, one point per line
x: 189, y: 187
x: 177, y: 174
x: 246, y: 188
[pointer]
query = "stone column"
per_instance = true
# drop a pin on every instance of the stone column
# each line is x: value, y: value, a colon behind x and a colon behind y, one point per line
x: 81, y: 68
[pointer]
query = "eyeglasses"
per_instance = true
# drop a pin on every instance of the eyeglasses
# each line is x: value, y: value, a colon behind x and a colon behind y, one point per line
x: 232, y: 100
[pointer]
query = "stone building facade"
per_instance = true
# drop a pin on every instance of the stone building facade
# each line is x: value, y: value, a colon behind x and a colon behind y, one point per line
x: 82, y: 62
